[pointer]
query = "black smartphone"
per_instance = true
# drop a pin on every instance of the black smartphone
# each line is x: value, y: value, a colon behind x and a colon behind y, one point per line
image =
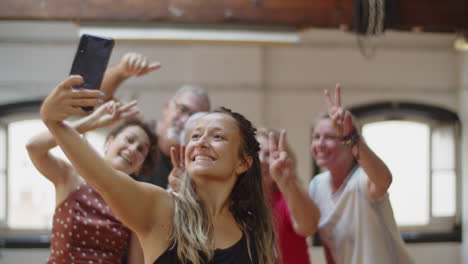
x: 91, y: 59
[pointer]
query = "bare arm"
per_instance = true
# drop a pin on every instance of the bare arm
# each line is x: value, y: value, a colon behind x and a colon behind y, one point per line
x: 132, y: 64
x: 57, y: 170
x: 379, y: 175
x: 135, y: 252
x: 135, y: 203
x: 305, y: 214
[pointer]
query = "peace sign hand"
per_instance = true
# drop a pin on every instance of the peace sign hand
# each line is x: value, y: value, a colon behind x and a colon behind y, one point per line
x: 178, y: 167
x: 112, y: 112
x: 341, y: 118
x: 281, y: 165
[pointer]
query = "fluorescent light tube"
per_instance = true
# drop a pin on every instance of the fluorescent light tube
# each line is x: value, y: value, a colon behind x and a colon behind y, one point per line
x: 194, y: 33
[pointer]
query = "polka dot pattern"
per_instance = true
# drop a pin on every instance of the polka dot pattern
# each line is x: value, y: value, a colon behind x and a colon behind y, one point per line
x: 85, y: 230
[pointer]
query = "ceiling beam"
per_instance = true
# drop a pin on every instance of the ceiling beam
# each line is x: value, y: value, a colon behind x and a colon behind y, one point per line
x: 447, y: 15
x: 430, y: 15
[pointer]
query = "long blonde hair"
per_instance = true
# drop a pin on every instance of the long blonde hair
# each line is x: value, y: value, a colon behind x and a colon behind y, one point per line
x: 192, y: 225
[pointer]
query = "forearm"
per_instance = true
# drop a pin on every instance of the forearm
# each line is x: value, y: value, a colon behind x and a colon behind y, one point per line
x: 86, y: 161
x: 113, y: 78
x: 305, y: 214
x: 375, y: 168
x: 135, y: 252
x: 117, y: 188
x: 44, y: 141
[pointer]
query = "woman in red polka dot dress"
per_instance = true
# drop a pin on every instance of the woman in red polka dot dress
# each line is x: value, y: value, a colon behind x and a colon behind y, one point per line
x: 84, y: 229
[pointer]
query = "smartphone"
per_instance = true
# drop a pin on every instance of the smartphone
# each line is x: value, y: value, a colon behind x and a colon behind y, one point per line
x: 91, y: 59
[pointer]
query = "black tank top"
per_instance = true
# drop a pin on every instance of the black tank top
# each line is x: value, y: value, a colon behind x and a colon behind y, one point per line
x: 236, y: 254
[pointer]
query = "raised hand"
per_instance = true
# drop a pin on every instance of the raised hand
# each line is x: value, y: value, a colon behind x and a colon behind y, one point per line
x: 341, y: 118
x: 64, y: 101
x: 281, y: 166
x: 135, y: 64
x: 111, y: 112
x: 178, y: 167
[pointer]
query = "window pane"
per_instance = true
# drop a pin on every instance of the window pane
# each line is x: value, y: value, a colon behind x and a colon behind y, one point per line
x: 404, y: 147
x: 443, y: 148
x: 32, y: 196
x: 443, y: 193
x: 2, y: 149
x: 2, y: 198
x: 3, y: 192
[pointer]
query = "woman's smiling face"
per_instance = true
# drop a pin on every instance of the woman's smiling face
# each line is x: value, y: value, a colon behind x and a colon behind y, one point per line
x: 128, y: 149
x: 326, y: 147
x: 213, y: 149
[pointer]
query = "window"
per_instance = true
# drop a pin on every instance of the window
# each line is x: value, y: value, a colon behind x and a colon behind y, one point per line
x: 27, y: 199
x: 30, y: 196
x: 419, y: 145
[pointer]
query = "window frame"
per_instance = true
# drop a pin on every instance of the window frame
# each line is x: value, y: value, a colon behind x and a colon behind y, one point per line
x: 19, y: 238
x: 433, y: 116
x: 4, y: 171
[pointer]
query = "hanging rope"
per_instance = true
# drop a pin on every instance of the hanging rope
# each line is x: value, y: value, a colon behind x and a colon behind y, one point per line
x: 375, y: 27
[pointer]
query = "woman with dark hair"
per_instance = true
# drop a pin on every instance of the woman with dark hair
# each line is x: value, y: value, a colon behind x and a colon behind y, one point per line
x: 219, y: 214
x: 84, y: 228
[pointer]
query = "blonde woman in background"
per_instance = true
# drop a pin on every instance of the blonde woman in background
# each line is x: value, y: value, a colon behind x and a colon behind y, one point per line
x: 357, y: 225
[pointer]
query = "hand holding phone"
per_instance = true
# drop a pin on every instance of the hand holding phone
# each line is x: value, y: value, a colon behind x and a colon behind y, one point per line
x: 91, y: 59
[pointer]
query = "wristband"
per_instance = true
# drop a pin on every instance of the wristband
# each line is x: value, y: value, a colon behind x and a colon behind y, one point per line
x: 351, y: 139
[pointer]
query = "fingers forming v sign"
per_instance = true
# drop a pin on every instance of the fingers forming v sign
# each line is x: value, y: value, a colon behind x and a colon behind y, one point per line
x: 112, y: 111
x: 128, y: 110
x: 178, y: 167
x: 341, y: 118
x: 280, y: 164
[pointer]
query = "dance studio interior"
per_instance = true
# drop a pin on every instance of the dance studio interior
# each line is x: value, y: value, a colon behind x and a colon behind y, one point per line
x: 402, y: 66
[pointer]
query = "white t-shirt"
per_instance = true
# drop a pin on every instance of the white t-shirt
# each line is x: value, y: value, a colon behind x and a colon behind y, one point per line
x: 356, y: 228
